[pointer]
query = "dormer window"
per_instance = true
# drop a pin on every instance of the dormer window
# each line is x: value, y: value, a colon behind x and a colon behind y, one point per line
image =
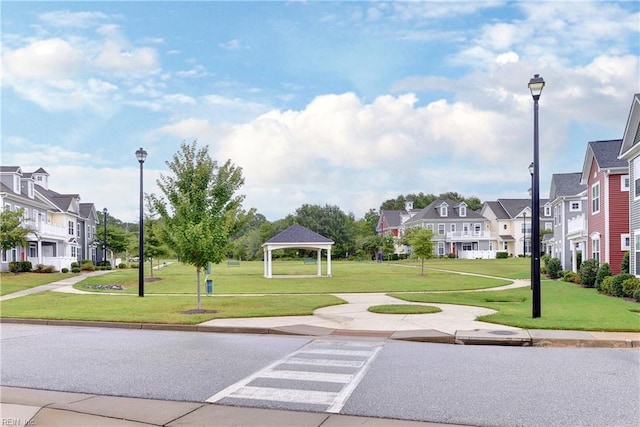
x: 463, y: 210
x: 16, y: 184
x: 444, y: 210
x: 30, y: 189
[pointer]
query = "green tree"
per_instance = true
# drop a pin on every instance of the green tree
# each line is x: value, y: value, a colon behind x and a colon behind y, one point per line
x: 331, y: 222
x: 13, y: 232
x: 200, y: 210
x: 421, y: 244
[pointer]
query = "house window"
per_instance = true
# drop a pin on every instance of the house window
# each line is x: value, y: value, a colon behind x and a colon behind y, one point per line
x: 466, y: 246
x: 636, y: 241
x: 453, y: 228
x: 477, y: 228
x: 504, y: 227
x: 465, y: 229
x: 625, y: 242
x: 547, y: 211
x: 636, y: 174
x: 526, y: 228
x: 33, y: 250
x: 463, y: 210
x: 74, y: 252
x: 595, y: 248
x: 430, y: 227
x: 441, y: 248
x: 505, y: 246
x: 71, y: 228
x: 4, y: 256
x: 575, y: 206
x: 527, y: 246
x: 441, y: 229
x: 624, y: 183
x: 548, y: 226
x: 443, y: 210
x: 7, y: 207
x: 595, y: 198
x: 30, y: 189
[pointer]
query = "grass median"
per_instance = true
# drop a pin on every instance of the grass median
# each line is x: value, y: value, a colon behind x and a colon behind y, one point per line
x: 564, y: 306
x: 11, y: 282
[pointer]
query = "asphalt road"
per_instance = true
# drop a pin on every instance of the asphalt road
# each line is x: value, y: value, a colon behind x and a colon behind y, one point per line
x: 474, y: 385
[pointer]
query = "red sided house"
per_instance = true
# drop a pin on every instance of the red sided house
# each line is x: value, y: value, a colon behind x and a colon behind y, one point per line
x: 607, y: 181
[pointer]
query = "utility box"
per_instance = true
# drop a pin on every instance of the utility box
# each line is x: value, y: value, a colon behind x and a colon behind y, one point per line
x: 209, y: 283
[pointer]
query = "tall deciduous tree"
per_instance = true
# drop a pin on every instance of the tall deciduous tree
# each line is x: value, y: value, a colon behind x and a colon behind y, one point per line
x: 421, y: 244
x: 200, y: 210
x: 12, y: 230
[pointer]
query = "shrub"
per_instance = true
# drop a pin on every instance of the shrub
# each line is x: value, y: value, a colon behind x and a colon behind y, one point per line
x: 571, y: 277
x: 20, y: 266
x: 605, y: 285
x: 134, y: 265
x: 87, y: 266
x: 636, y: 295
x: 616, y: 284
x: 75, y: 264
x: 624, y: 265
x: 451, y: 255
x: 554, y: 268
x: 75, y: 269
x: 502, y: 255
x: 588, y: 272
x: 603, y: 271
x: 103, y: 263
x: 629, y: 286
x: 65, y: 270
x: 122, y: 265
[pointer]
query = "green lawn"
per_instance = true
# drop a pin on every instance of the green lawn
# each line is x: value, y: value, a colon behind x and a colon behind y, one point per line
x: 11, y: 282
x: 53, y: 305
x: 248, y: 278
x: 564, y: 306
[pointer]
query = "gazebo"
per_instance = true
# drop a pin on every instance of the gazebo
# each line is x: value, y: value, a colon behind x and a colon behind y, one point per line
x: 297, y: 237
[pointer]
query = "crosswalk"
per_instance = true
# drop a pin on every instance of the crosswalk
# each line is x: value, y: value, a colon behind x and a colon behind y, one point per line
x: 319, y: 377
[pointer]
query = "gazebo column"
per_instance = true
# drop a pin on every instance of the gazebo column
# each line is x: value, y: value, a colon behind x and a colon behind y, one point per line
x: 319, y: 258
x: 269, y: 264
x: 264, y: 260
x: 329, y: 261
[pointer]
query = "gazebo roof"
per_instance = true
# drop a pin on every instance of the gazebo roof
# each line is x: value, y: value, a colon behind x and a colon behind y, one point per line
x: 298, y: 234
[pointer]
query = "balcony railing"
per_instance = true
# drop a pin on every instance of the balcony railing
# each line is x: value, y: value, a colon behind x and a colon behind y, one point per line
x: 470, y: 235
x: 50, y: 231
x: 577, y: 226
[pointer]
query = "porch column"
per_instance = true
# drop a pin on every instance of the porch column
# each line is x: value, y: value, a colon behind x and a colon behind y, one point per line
x: 329, y: 261
x: 319, y: 257
x: 40, y: 260
x: 574, y: 257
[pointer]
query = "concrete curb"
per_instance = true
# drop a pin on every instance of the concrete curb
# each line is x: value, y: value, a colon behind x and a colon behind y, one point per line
x: 522, y: 337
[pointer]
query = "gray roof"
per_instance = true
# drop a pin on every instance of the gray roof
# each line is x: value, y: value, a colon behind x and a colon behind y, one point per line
x: 431, y: 212
x: 298, y: 234
x: 498, y: 210
x: 392, y: 216
x: 512, y: 207
x: 86, y: 209
x: 62, y: 201
x: 13, y: 169
x: 566, y: 184
x: 606, y: 153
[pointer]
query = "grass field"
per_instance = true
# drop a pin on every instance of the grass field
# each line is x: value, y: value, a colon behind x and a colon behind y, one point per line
x: 564, y: 305
x: 177, y: 278
x: 10, y: 282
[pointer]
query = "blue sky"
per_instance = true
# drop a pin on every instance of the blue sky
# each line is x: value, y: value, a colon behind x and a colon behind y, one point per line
x: 341, y: 103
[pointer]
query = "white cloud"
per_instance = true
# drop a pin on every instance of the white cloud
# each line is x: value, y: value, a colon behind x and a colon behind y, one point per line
x: 53, y: 58
x: 114, y: 57
x: 65, y: 18
x: 231, y: 44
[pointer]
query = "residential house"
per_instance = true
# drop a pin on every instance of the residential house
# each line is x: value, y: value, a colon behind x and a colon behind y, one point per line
x: 64, y: 228
x: 568, y: 198
x: 630, y: 153
x: 391, y: 223
x: 607, y: 180
x: 510, y: 222
x: 457, y: 229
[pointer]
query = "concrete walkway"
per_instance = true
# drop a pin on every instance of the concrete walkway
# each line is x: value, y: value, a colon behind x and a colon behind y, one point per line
x: 55, y: 286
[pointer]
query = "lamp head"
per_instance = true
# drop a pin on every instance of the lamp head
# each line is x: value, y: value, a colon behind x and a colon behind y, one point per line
x: 104, y: 211
x: 531, y: 168
x: 535, y: 86
x: 141, y: 155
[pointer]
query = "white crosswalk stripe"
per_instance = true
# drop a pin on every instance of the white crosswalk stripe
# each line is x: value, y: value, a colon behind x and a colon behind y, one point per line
x: 323, y: 373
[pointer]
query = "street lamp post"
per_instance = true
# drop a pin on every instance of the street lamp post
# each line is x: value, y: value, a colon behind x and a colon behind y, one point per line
x: 535, y: 86
x: 104, y: 247
x: 141, y: 155
x: 524, y: 234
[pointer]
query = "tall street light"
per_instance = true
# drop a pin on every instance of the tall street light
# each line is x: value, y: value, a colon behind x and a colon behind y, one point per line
x: 535, y: 86
x: 141, y: 155
x: 104, y: 247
